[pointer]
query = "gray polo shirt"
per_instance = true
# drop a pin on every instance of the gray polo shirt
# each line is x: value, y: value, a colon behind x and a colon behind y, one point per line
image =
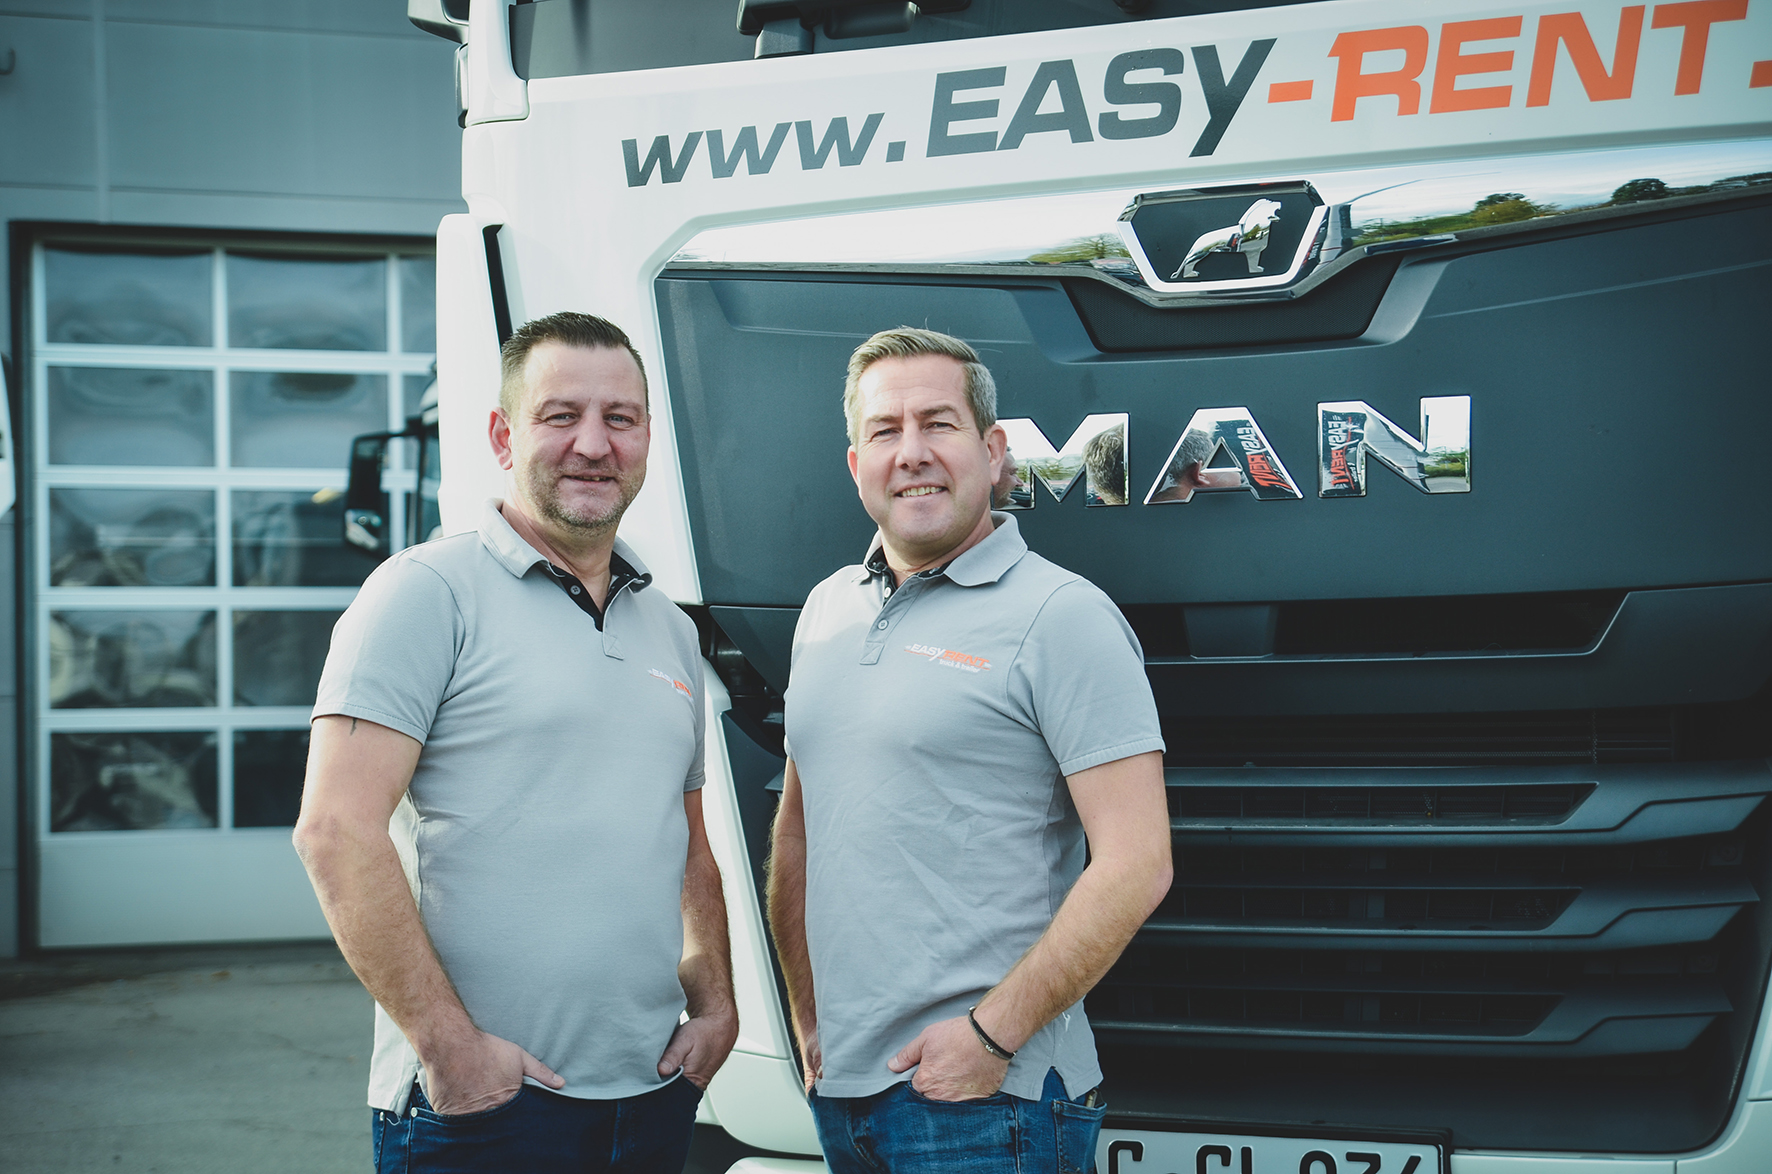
x: 545, y: 840
x: 932, y: 728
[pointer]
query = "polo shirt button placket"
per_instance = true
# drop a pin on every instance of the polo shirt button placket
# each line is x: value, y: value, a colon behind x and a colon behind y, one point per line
x: 876, y: 642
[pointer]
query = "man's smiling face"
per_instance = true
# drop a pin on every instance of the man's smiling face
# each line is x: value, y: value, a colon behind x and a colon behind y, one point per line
x: 923, y: 471
x: 578, y: 441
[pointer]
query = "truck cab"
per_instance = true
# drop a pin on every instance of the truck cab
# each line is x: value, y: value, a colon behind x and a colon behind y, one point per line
x: 1463, y: 658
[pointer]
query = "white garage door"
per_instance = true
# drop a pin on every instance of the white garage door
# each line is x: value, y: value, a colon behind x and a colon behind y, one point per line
x: 191, y: 405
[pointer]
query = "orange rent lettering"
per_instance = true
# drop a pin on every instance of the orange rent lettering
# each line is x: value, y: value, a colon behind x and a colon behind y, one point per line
x: 1453, y: 64
x: 1352, y: 82
x: 1695, y: 17
x: 1570, y: 30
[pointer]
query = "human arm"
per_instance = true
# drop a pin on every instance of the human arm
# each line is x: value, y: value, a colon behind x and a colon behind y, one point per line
x: 357, y: 773
x: 787, y: 920
x: 702, y: 1044
x: 1126, y: 818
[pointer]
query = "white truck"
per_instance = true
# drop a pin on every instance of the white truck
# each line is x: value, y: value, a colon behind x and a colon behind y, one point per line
x: 1463, y: 665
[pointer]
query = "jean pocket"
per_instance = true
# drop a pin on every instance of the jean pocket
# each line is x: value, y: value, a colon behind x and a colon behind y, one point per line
x: 1078, y: 1128
x: 424, y: 1112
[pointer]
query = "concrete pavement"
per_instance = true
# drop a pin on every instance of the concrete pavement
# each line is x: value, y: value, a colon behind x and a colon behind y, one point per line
x: 247, y: 1059
x: 188, y: 1061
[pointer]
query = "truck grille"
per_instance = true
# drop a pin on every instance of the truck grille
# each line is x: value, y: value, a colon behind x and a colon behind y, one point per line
x: 1378, y: 804
x: 1601, y: 737
x: 1448, y: 919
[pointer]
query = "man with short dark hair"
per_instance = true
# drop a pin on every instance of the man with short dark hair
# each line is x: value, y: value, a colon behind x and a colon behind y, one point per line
x: 544, y: 905
x: 972, y: 822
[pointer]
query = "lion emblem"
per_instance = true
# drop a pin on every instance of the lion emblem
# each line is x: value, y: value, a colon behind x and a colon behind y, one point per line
x: 1247, y: 236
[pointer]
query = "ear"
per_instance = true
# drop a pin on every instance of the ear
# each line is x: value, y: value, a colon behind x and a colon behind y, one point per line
x: 498, y: 431
x: 855, y: 468
x: 996, y: 442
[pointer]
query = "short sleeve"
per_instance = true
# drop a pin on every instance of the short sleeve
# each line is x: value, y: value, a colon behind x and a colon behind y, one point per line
x: 1080, y: 674
x: 394, y: 650
x: 697, y: 774
x: 806, y: 622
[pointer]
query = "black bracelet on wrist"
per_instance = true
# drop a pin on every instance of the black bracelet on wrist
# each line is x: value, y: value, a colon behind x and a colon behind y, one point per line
x: 990, y: 1045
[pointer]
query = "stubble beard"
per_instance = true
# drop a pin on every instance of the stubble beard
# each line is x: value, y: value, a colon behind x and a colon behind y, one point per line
x: 544, y: 491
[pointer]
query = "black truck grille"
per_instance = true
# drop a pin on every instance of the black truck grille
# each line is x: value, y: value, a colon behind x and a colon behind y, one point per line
x: 1316, y: 880
x: 1384, y: 804
x: 1594, y: 736
x: 1439, y: 920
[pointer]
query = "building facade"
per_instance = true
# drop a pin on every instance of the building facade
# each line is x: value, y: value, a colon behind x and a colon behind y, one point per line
x: 219, y: 247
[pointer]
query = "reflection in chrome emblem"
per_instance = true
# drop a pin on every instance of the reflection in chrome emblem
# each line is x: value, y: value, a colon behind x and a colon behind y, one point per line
x: 1096, y: 450
x: 1440, y: 462
x: 1248, y: 236
x: 1179, y: 241
x: 1258, y: 468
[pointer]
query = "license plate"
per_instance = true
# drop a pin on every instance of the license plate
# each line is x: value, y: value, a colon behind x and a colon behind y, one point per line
x: 1129, y: 1147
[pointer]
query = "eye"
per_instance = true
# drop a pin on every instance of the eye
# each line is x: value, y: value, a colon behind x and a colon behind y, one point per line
x: 559, y: 418
x: 617, y: 420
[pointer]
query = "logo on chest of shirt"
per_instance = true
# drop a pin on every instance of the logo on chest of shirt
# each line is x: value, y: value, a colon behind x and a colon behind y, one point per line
x: 673, y: 682
x: 948, y: 658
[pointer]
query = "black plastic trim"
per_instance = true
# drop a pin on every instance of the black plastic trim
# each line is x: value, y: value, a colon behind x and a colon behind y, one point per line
x: 1624, y: 804
x: 1342, y: 307
x: 495, y: 277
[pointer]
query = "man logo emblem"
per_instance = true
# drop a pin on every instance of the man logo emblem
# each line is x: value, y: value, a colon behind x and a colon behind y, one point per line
x: 1248, y: 236
x: 1242, y: 238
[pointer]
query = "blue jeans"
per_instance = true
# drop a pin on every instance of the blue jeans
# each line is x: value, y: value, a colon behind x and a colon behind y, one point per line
x: 542, y: 1132
x: 901, y: 1131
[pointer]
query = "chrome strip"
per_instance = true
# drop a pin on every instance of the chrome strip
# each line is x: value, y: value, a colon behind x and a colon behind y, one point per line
x: 1371, y: 210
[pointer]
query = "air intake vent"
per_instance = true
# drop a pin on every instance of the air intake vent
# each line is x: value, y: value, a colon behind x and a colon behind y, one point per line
x: 1455, y: 1003
x: 1562, y: 621
x: 1405, y: 805
x: 1464, y: 925
x: 1425, y: 739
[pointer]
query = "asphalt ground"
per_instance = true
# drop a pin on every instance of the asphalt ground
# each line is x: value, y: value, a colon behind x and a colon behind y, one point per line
x: 200, y: 1059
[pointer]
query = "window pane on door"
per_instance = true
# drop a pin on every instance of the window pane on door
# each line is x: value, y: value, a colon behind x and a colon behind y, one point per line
x: 126, y: 416
x: 412, y: 393
x: 108, y: 659
x: 268, y: 768
x: 418, y: 304
x: 308, y: 303
x: 131, y: 538
x: 294, y: 538
x: 128, y: 298
x: 288, y: 419
x: 278, y: 655
x: 131, y: 781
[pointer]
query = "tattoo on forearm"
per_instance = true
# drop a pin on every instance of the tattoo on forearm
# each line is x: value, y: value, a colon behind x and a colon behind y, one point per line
x: 353, y: 725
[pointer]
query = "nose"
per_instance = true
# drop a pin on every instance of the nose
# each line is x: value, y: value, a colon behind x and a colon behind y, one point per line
x: 590, y: 439
x: 913, y: 448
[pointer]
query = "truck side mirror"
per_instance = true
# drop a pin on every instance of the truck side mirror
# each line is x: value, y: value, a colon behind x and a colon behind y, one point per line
x: 366, y: 505
x: 444, y: 18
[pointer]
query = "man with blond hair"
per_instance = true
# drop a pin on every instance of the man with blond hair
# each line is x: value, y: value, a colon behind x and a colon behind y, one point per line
x: 972, y: 823
x: 546, y: 906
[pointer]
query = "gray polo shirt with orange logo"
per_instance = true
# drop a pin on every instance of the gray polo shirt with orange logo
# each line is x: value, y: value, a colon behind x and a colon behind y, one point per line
x: 546, y: 839
x: 932, y: 727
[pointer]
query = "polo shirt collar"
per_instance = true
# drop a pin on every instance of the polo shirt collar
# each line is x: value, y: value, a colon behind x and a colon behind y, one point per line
x: 985, y: 563
x: 511, y: 552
